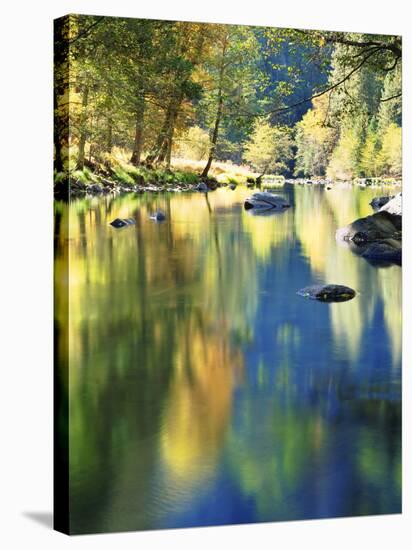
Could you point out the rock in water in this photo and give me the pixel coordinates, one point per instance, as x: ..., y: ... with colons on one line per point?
x: 377, y: 238
x: 378, y: 202
x: 381, y: 225
x: 201, y: 186
x: 394, y: 206
x: 264, y: 201
x: 328, y: 293
x: 122, y: 222
x: 158, y: 216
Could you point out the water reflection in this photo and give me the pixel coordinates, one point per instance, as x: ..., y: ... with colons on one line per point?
x: 202, y: 389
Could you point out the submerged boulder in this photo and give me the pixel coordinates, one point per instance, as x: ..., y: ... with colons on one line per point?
x: 122, y: 222
x: 377, y: 238
x: 328, y: 293
x: 158, y: 216
x: 265, y: 201
x: 386, y: 251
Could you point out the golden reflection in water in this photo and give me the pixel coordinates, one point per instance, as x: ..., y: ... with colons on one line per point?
x: 200, y: 400
x: 266, y: 237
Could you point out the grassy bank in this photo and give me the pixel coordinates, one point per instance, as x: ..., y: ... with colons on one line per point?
x: 114, y: 173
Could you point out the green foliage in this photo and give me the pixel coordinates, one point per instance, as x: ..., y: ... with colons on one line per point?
x: 344, y: 160
x: 269, y: 147
x: 369, y: 163
x: 123, y: 176
x: 194, y: 144
x: 224, y: 92
x: 85, y: 176
x: 314, y: 140
x: 390, y: 155
x: 59, y: 177
x: 185, y: 177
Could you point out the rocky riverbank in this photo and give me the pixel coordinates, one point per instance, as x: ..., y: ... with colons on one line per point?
x: 103, y: 178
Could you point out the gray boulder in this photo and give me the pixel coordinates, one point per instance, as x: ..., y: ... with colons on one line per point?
x: 377, y: 238
x: 381, y: 225
x: 328, y: 293
x: 265, y: 201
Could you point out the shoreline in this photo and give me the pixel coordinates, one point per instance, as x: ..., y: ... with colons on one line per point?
x: 95, y: 184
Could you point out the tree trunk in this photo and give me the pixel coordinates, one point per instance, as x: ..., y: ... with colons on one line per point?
x: 83, y: 130
x: 214, y: 136
x: 219, y: 112
x: 58, y: 160
x: 162, y: 151
x: 259, y: 178
x: 165, y: 139
x: 160, y: 138
x: 109, y: 144
x: 138, y: 136
x: 168, y: 142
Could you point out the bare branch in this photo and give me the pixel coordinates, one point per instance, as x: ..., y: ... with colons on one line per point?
x: 392, y: 97
x: 86, y: 32
x: 326, y: 90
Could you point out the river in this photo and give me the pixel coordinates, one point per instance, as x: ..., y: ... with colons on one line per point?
x: 202, y: 389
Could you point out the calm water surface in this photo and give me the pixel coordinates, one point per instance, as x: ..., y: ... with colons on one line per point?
x: 203, y: 390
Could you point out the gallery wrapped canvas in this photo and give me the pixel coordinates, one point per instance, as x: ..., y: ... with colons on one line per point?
x: 228, y: 229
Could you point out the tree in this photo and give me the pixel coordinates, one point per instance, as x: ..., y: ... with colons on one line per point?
x: 390, y: 155
x: 343, y: 164
x: 315, y: 139
x: 369, y: 163
x: 194, y: 144
x: 231, y: 74
x: 142, y: 85
x: 269, y: 148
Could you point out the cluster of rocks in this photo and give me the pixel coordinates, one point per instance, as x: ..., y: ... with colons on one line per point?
x: 119, y: 223
x: 376, y: 182
x: 378, y: 237
x: 264, y: 203
x: 105, y: 186
x: 305, y: 181
x: 360, y: 182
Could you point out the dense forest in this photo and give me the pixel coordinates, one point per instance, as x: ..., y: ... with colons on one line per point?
x: 136, y: 99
